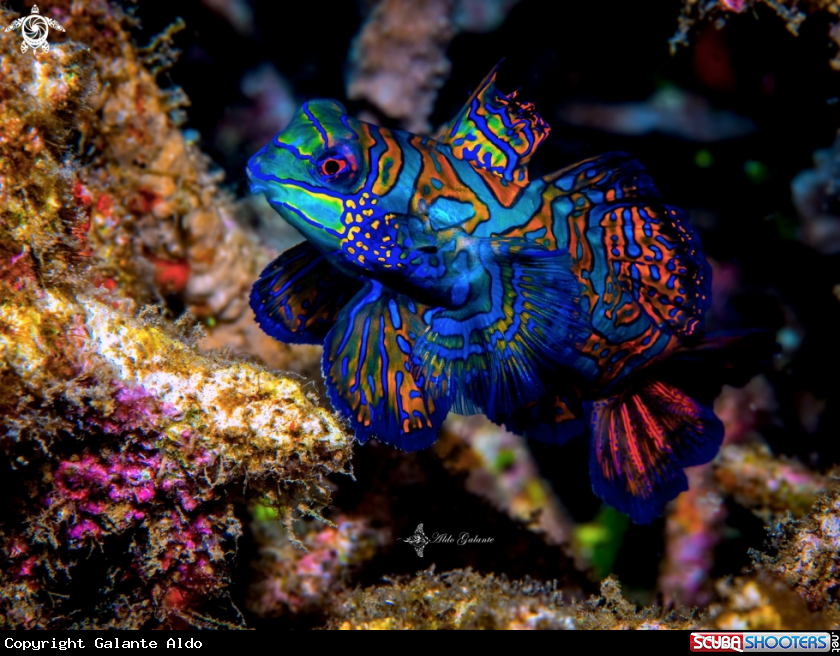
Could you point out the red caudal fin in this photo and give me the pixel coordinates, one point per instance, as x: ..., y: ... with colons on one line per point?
x: 642, y: 439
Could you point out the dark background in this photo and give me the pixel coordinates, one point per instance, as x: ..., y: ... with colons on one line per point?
x: 605, y: 52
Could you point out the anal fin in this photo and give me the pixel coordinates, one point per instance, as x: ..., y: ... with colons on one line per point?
x: 555, y: 419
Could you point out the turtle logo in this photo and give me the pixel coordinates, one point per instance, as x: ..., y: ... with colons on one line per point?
x: 34, y: 30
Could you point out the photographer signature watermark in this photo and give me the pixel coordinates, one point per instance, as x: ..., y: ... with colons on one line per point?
x: 34, y: 29
x: 419, y: 540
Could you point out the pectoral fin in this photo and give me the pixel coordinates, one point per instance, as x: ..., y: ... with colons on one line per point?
x: 298, y: 296
x: 367, y: 369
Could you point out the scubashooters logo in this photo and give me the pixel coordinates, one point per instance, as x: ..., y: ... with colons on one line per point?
x: 781, y: 641
x: 34, y: 29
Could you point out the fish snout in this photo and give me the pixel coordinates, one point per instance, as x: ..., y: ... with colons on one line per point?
x: 255, y: 173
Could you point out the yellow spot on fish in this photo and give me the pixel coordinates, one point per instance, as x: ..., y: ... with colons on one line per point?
x: 373, y: 201
x: 350, y: 205
x: 367, y: 235
x: 351, y: 250
x: 375, y: 225
x: 359, y: 244
x: 365, y: 194
x: 381, y: 259
x: 348, y: 219
x: 388, y: 253
x: 361, y: 259
x: 358, y: 218
x: 367, y: 212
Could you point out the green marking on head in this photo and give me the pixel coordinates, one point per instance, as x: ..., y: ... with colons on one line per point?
x: 309, y: 170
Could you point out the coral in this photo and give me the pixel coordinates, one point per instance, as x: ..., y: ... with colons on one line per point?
x: 693, y: 529
x: 501, y: 469
x: 133, y: 451
x: 398, y: 61
x: 770, y: 485
x: 792, y: 12
x: 127, y: 450
x: 145, y: 201
x: 763, y: 602
x: 38, y: 108
x: 123, y: 442
x: 816, y: 197
x: 695, y: 520
x: 128, y: 433
x: 670, y: 111
x: 462, y: 599
x: 746, y: 409
x: 806, y: 553
x: 289, y: 580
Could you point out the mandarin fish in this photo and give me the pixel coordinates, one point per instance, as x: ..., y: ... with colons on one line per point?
x: 440, y: 278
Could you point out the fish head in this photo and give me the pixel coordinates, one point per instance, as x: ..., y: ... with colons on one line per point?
x: 310, y: 170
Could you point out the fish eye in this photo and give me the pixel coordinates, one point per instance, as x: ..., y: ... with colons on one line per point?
x: 334, y: 166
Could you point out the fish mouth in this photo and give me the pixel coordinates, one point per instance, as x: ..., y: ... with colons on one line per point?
x: 252, y: 169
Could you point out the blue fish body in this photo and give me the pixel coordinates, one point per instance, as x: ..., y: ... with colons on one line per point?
x: 440, y: 278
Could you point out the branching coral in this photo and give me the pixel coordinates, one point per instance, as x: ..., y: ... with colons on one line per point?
x: 793, y: 12
x: 767, y: 484
x: 501, y: 469
x: 398, y: 61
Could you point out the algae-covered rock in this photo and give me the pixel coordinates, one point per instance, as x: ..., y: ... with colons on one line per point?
x: 128, y: 455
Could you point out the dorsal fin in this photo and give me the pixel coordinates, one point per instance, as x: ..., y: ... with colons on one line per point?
x: 495, y: 132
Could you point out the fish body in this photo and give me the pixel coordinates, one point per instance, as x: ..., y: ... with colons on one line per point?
x: 440, y: 278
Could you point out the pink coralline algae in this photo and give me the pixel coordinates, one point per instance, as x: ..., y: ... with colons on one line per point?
x: 92, y: 488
